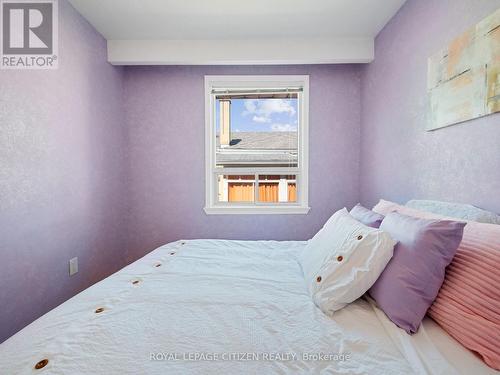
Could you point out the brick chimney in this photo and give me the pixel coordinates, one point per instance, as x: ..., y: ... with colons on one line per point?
x: 225, y: 122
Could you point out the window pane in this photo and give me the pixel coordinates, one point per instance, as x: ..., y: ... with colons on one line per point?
x: 256, y: 130
x: 277, y: 188
x: 292, y: 192
x: 236, y: 188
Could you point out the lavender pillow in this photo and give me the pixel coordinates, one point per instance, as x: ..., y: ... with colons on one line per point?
x: 366, y: 216
x: 413, y: 277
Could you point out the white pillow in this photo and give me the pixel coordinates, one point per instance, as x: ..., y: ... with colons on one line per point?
x: 343, y: 260
x: 456, y: 210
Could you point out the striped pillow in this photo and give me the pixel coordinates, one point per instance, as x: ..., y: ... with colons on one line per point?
x: 468, y: 303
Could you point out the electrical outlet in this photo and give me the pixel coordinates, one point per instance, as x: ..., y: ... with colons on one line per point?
x: 73, y: 266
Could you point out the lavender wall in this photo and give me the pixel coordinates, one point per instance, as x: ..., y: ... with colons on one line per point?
x: 399, y: 159
x: 62, y: 144
x: 165, y: 119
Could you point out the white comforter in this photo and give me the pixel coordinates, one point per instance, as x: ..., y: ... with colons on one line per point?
x: 213, y: 307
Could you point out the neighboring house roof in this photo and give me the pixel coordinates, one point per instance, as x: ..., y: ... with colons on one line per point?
x: 269, y: 148
x: 263, y: 140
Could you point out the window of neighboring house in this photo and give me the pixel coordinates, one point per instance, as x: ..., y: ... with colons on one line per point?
x: 256, y: 144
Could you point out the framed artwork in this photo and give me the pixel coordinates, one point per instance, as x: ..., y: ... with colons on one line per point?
x: 464, y: 77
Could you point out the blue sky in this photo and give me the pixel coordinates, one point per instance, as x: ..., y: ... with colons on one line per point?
x: 262, y: 115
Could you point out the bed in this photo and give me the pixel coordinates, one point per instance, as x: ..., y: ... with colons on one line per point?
x: 217, y: 307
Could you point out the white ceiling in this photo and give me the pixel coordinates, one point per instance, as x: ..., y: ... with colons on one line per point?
x: 235, y: 19
x: 210, y: 20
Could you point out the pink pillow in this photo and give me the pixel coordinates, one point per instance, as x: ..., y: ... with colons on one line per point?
x: 468, y: 303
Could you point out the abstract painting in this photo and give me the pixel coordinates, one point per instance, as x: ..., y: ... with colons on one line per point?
x: 464, y: 77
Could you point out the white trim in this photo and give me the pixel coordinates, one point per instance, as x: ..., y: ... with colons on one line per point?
x: 268, y: 51
x: 256, y: 210
x: 259, y: 170
x: 302, y: 172
x: 283, y: 190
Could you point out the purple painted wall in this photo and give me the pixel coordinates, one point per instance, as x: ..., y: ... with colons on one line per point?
x: 399, y: 159
x: 166, y: 124
x: 62, y: 165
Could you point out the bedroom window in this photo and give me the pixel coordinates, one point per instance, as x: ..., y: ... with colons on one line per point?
x: 256, y: 144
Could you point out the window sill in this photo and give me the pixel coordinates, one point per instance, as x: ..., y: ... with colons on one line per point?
x: 257, y: 210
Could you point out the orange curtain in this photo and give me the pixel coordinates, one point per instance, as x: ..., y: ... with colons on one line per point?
x: 292, y: 192
x: 240, y: 192
x: 268, y: 192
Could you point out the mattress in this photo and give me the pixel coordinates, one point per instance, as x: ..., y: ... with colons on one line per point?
x: 216, y: 307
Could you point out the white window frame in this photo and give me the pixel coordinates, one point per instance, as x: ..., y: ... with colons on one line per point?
x: 212, y: 206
